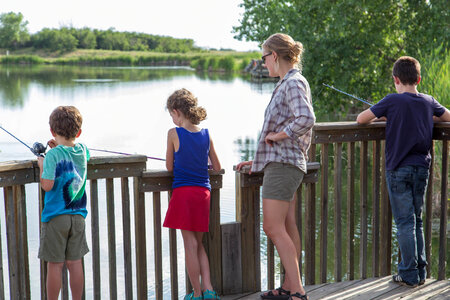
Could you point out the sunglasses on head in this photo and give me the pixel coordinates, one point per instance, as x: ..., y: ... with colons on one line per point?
x: 264, y: 57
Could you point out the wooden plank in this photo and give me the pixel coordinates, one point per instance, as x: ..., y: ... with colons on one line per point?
x: 42, y: 263
x: 173, y: 261
x: 399, y: 291
x: 299, y: 221
x: 95, y: 232
x: 428, y: 212
x: 65, y: 283
x: 386, y: 219
x: 331, y: 289
x: 270, y: 265
x: 367, y: 289
x: 436, y: 288
x: 115, y: 170
x: 231, y: 258
x: 444, y: 210
x: 323, y: 213
x: 11, y: 240
x: 351, y: 211
x: 115, y: 159
x: 17, y: 177
x: 24, y: 266
x: 363, y: 210
x: 127, y: 238
x: 376, y: 208
x: 338, y: 212
x: 111, y: 238
x: 214, y: 241
x: 157, y: 245
x: 140, y: 240
x: 310, y: 234
x: 2, y: 284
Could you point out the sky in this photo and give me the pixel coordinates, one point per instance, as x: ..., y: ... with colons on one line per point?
x: 208, y: 22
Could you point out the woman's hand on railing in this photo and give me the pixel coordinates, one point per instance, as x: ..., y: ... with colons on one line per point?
x: 245, y: 163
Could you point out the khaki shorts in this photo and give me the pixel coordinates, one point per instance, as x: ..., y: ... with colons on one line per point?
x: 281, y: 181
x: 63, y: 238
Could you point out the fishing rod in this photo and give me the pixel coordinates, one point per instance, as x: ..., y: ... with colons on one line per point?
x: 38, y: 149
x: 353, y: 96
x: 123, y: 153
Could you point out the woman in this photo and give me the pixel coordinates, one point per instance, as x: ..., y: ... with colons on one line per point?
x: 282, y: 155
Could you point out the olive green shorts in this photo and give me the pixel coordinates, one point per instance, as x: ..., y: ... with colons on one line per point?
x: 281, y: 181
x: 63, y: 238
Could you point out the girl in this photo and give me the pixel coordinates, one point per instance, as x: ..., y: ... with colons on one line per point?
x: 282, y: 154
x: 188, y: 150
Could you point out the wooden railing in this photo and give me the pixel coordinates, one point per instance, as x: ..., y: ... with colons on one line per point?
x: 353, y: 138
x: 233, y: 248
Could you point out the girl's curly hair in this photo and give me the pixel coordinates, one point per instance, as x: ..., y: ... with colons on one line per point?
x: 185, y: 102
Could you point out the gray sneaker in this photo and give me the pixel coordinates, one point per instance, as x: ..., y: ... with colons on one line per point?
x: 398, y: 279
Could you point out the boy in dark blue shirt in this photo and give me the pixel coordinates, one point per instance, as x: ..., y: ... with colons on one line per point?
x: 409, y: 129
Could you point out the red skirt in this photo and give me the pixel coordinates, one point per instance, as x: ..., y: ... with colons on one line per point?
x: 189, y: 209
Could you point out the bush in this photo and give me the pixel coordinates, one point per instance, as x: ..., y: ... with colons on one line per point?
x: 21, y: 59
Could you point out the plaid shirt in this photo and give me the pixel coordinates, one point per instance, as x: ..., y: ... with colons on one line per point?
x: 290, y: 110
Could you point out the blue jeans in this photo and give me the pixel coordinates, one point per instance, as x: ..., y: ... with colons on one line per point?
x: 406, y: 186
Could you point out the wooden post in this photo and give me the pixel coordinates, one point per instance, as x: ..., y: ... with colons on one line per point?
x: 363, y: 182
x: 351, y: 211
x: 157, y: 245
x: 310, y: 227
x: 231, y: 258
x: 111, y: 238
x: 127, y: 238
x: 444, y: 209
x: 141, y: 249
x: 376, y: 209
x: 95, y: 239
x: 338, y: 212
x: 324, y: 213
x: 428, y: 213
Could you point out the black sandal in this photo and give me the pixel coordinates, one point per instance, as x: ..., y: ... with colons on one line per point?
x: 299, y: 296
x: 282, y: 294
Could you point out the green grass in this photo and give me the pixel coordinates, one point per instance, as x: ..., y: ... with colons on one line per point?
x: 228, y: 61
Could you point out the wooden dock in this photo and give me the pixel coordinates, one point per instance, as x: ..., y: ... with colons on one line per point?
x: 369, y: 289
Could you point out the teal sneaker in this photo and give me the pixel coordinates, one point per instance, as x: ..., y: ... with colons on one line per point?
x: 191, y: 297
x: 210, y: 295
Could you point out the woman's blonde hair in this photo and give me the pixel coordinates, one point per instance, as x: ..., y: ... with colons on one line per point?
x: 185, y: 102
x: 285, y: 47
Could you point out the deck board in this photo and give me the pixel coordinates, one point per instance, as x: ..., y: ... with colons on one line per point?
x: 369, y: 289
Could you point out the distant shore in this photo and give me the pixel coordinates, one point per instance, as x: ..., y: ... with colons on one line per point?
x: 220, y: 61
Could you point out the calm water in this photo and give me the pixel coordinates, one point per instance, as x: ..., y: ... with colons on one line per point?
x: 124, y: 110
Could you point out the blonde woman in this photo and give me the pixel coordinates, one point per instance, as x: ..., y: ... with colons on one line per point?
x: 282, y: 155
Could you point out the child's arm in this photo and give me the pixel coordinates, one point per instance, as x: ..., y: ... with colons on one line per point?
x: 365, y: 117
x: 46, y: 184
x: 445, y: 117
x: 170, y: 149
x: 213, y: 156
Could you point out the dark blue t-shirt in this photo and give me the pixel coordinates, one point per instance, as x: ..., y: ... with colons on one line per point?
x: 190, y: 166
x: 409, y: 128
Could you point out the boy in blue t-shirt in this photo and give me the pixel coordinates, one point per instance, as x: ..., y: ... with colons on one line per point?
x: 409, y: 130
x: 63, y: 174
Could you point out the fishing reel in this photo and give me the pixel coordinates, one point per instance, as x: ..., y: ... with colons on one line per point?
x: 38, y: 149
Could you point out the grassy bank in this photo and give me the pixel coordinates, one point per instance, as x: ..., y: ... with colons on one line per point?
x: 207, y: 60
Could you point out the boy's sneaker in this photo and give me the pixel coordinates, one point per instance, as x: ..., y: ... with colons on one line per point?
x: 210, y: 295
x: 191, y: 297
x: 422, y: 282
x: 398, y: 279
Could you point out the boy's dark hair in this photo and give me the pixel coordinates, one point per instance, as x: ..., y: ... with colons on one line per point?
x: 185, y: 102
x: 66, y: 121
x: 407, y: 69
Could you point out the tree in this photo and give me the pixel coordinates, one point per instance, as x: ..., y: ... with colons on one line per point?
x: 13, y: 30
x: 350, y: 44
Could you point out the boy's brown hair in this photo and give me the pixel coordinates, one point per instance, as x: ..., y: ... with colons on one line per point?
x: 185, y: 102
x: 66, y: 121
x: 407, y: 69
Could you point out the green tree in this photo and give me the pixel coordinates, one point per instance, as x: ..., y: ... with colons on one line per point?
x: 350, y: 44
x: 55, y: 39
x: 13, y: 30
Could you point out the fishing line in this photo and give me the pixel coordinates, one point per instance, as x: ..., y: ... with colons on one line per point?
x: 353, y: 96
x: 38, y: 149
x: 123, y: 153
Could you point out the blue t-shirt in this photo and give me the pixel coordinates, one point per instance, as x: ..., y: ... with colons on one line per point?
x: 67, y: 166
x: 190, y: 166
x: 409, y: 128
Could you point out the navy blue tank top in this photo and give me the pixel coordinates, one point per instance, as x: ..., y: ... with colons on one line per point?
x: 190, y: 166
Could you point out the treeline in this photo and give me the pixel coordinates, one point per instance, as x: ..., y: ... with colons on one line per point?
x: 69, y: 39
x: 14, y: 35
